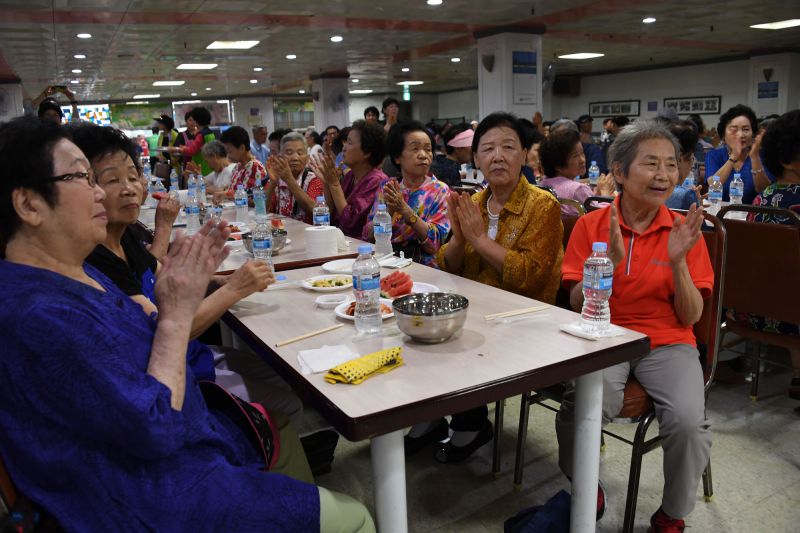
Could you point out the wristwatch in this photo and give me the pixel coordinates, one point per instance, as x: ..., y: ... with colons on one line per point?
x: 732, y: 159
x: 413, y: 219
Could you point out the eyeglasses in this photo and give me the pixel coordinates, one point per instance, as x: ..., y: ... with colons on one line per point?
x: 88, y: 176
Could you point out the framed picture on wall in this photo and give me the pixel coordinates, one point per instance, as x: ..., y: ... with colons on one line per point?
x: 701, y: 105
x: 617, y: 108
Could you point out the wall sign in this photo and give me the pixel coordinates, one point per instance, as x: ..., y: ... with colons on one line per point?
x: 523, y: 69
x: 700, y: 105
x: 617, y: 108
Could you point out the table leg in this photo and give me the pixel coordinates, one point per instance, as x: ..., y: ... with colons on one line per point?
x: 586, y: 452
x: 226, y: 334
x: 389, y: 479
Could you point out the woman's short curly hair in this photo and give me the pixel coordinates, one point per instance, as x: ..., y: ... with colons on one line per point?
x: 781, y: 143
x: 97, y: 142
x: 555, y: 149
x: 373, y: 140
x: 396, y: 140
x: 738, y: 110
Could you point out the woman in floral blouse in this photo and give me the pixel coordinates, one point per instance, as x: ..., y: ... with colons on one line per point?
x: 293, y: 187
x: 249, y: 170
x: 418, y: 202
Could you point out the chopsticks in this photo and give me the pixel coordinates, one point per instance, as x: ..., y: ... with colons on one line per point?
x: 307, y: 335
x: 516, y: 312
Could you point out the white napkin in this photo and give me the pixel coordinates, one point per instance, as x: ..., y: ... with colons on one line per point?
x: 325, y: 358
x: 394, y: 262
x: 577, y: 330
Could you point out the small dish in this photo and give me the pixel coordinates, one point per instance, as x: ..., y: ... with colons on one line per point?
x: 420, y: 288
x: 340, y: 266
x: 313, y: 283
x: 331, y: 301
x: 341, y: 309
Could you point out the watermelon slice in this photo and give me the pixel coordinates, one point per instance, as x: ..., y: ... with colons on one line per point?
x: 396, y: 284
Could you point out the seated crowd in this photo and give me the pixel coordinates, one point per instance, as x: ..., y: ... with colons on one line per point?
x: 124, y: 389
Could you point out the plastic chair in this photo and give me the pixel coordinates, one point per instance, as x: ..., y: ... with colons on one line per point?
x: 572, y: 203
x: 762, y: 251
x: 637, y: 405
x: 588, y: 206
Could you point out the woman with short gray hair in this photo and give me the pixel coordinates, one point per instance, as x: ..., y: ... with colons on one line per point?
x: 222, y: 169
x: 293, y: 187
x: 662, y: 273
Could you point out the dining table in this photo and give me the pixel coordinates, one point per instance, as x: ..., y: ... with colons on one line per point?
x: 293, y: 255
x: 486, y: 361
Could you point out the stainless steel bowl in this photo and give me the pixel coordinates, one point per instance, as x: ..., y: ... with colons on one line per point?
x: 430, y: 317
x: 278, y: 240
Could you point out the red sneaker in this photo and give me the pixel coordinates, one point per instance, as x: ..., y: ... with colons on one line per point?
x: 661, y: 522
x: 601, y: 501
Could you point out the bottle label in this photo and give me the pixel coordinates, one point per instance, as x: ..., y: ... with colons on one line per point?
x: 240, y: 202
x: 366, y: 282
x: 381, y: 229
x: 194, y: 209
x: 597, y: 281
x: 715, y: 195
x: 322, y: 220
x: 262, y: 244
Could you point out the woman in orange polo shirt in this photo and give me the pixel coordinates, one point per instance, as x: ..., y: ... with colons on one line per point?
x: 662, y: 274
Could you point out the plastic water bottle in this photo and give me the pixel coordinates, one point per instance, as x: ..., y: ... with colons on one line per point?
x: 690, y: 181
x: 715, y: 194
x: 322, y: 215
x: 262, y: 241
x: 260, y: 201
x: 736, y: 190
x: 173, y: 180
x: 382, y: 231
x: 173, y: 192
x: 191, y: 184
x: 594, y: 173
x: 598, y: 276
x: 240, y: 199
x: 201, y: 188
x: 367, y: 289
x: 192, y: 213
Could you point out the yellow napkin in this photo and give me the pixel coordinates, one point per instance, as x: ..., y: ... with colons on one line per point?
x: 357, y: 370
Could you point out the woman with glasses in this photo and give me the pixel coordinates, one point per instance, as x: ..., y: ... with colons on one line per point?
x: 562, y: 158
x: 83, y: 367
x: 740, y: 153
x: 684, y: 197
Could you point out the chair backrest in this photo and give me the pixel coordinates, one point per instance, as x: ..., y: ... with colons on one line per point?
x: 707, y: 329
x: 572, y: 203
x: 758, y: 254
x: 548, y: 189
x: 8, y: 493
x: 590, y: 204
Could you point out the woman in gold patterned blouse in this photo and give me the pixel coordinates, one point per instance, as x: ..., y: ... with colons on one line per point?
x: 507, y: 236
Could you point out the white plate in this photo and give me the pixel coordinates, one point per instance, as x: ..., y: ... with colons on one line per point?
x: 331, y: 301
x: 419, y: 288
x: 342, y: 308
x: 340, y: 266
x: 307, y: 284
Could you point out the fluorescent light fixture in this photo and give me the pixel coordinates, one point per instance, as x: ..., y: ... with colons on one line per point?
x: 84, y: 36
x: 336, y: 38
x: 168, y: 83
x: 208, y: 88
x: 291, y: 56
x: 412, y: 82
x: 257, y: 69
x: 76, y: 71
x: 355, y: 80
x: 193, y: 94
x: 74, y: 82
x: 196, y: 66
x: 455, y: 59
x: 223, y: 101
x: 581, y: 55
x: 405, y: 69
x: 140, y: 102
x: 187, y: 102
x: 302, y: 91
x: 360, y: 91
x: 649, y: 20
x: 231, y: 45
x: 145, y: 96
x: 780, y: 25
x: 253, y: 81
x: 79, y: 56
x: 434, y: 2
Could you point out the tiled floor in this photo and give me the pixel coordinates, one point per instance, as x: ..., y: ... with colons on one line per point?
x: 755, y: 459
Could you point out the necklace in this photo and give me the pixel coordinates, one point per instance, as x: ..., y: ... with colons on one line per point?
x: 491, y: 231
x: 491, y: 215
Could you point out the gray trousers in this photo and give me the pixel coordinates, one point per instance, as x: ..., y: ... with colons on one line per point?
x: 673, y: 378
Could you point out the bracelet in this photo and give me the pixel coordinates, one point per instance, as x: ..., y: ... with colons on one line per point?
x: 413, y: 219
x: 732, y: 159
x: 756, y: 171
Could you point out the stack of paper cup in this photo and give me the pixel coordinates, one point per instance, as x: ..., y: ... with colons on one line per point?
x: 321, y: 241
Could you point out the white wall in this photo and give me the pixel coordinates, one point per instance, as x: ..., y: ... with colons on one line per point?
x: 262, y: 106
x: 459, y: 103
x: 358, y: 103
x: 728, y: 80
x: 10, y: 101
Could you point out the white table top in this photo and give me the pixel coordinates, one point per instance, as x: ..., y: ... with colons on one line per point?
x: 485, y: 362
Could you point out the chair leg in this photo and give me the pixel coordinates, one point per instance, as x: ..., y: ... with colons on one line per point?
x: 708, y: 486
x: 499, y: 407
x: 635, y: 473
x: 756, y: 374
x: 522, y: 433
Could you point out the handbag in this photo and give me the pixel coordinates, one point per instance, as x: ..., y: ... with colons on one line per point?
x: 251, y: 418
x: 162, y: 170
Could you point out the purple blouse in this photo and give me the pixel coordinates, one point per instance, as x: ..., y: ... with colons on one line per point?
x: 569, y: 189
x: 360, y: 197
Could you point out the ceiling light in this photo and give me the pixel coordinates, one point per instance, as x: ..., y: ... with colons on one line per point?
x: 781, y: 24
x: 257, y: 69
x: 291, y: 56
x: 193, y: 94
x: 355, y: 80
x: 208, y: 88
x: 405, y: 69
x: 302, y: 91
x: 434, y: 2
x: 84, y: 36
x: 74, y: 82
x: 360, y: 91
x: 79, y: 56
x: 168, y: 83
x: 336, y: 38
x: 223, y: 101
x: 253, y: 81
x: 76, y: 71
x: 455, y: 59
x: 231, y: 45
x: 145, y: 96
x: 412, y: 82
x: 196, y: 66
x: 581, y: 55
x: 187, y: 102
x: 140, y: 102
x: 649, y: 20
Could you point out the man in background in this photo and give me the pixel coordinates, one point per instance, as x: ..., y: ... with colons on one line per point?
x: 258, y: 146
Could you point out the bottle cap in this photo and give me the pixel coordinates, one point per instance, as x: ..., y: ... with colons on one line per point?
x: 381, y: 207
x: 594, y: 162
x: 715, y: 178
x: 599, y: 247
x: 365, y: 249
x: 320, y: 199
